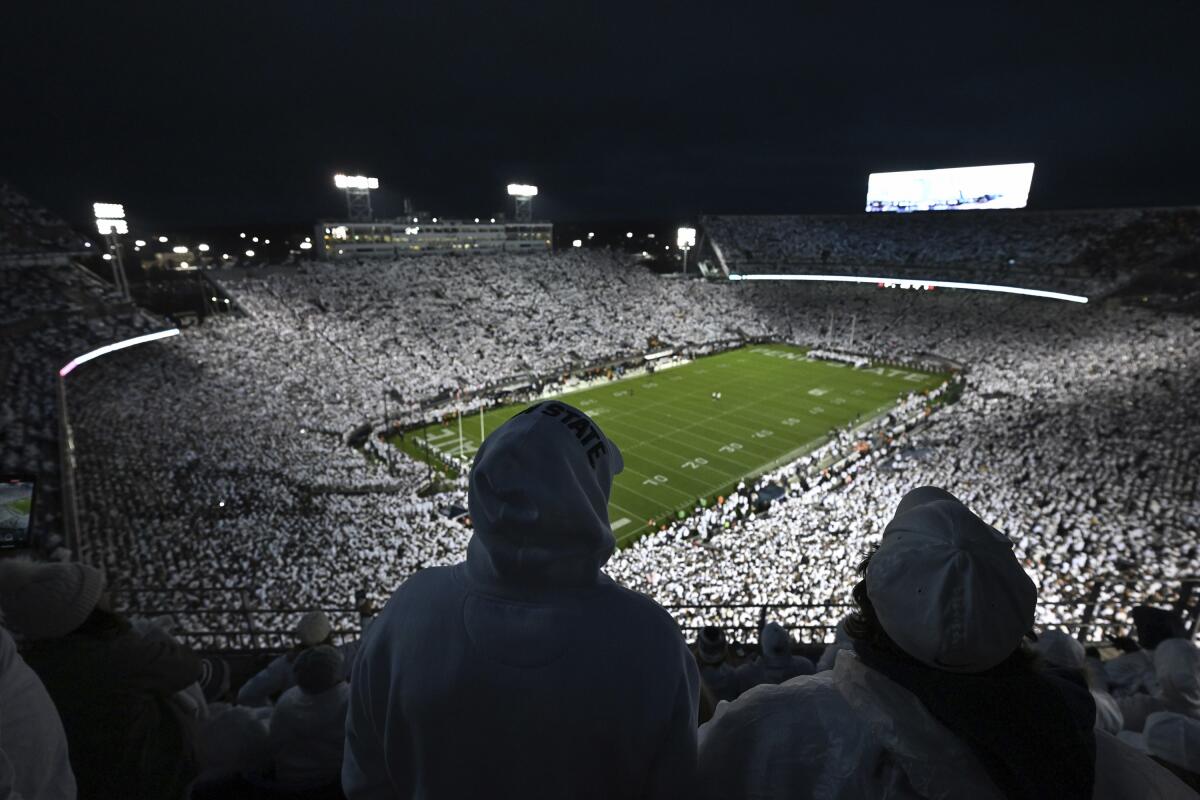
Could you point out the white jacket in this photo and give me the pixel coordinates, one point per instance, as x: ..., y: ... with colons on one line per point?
x: 307, y: 734
x: 853, y: 733
x: 33, y: 746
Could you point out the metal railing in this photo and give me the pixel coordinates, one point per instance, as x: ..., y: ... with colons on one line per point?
x: 221, y: 618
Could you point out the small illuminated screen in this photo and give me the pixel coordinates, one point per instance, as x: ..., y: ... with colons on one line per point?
x: 955, y: 189
x: 16, y: 506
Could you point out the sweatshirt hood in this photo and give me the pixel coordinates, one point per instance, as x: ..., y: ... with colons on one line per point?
x: 538, y: 497
x: 775, y: 643
x: 1177, y: 666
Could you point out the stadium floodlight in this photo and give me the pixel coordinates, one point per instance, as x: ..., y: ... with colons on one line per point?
x: 685, y: 237
x: 162, y: 239
x: 254, y: 238
x: 629, y: 234
x: 522, y: 190
x: 340, y: 232
x: 109, y: 348
x: 140, y: 242
x: 242, y: 235
x: 111, y: 223
x: 522, y: 195
x: 591, y: 234
x: 978, y: 287
x: 306, y: 245
x: 112, y: 226
x: 355, y: 182
x: 249, y: 254
x: 203, y: 248
x: 179, y: 249
x: 358, y: 195
x: 109, y: 210
x: 577, y: 243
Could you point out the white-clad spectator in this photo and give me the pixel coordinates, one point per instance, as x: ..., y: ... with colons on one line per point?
x: 1066, y: 652
x: 721, y: 677
x: 493, y: 677
x: 1177, y: 669
x: 234, y: 753
x: 776, y: 662
x: 33, y: 747
x: 841, y: 641
x: 938, y: 699
x: 1172, y: 740
x: 308, y: 725
x: 312, y: 630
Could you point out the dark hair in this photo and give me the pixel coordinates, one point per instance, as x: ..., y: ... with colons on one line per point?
x: 863, y: 625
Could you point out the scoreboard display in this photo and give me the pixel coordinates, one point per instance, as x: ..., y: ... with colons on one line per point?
x: 954, y: 189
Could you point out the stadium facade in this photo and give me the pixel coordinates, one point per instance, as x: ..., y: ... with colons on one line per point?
x: 401, y: 237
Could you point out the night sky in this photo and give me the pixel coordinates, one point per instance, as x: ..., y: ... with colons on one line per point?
x: 201, y: 113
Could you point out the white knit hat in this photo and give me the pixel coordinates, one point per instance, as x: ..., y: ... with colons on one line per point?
x: 946, y: 586
x: 43, y: 600
x: 313, y: 628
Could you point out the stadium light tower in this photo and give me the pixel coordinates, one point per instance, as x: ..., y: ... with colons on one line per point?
x: 522, y: 195
x: 685, y: 239
x: 111, y: 223
x: 358, y: 195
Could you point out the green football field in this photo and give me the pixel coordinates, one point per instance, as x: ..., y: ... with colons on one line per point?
x: 681, y: 445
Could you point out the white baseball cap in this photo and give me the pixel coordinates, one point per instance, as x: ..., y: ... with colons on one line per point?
x: 947, y: 587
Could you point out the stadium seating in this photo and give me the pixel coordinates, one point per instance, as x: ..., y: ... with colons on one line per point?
x: 236, y: 475
x: 1090, y: 252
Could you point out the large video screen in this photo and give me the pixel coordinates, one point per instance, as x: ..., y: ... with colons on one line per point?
x: 16, y: 508
x: 955, y: 189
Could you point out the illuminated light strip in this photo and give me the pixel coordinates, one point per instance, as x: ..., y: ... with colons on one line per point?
x: 979, y: 287
x: 109, y: 348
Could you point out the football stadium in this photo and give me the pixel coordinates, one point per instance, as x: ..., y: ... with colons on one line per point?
x: 675, y: 421
x: 694, y: 431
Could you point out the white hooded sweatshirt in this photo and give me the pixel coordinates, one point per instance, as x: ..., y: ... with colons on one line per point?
x: 853, y: 733
x: 524, y: 671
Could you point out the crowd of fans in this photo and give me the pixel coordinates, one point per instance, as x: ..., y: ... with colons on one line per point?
x: 937, y: 687
x: 1088, y: 252
x: 216, y: 465
x: 1072, y: 433
x: 29, y: 233
x: 55, y: 313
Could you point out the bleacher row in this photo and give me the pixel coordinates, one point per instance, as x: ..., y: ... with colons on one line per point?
x: 1089, y: 251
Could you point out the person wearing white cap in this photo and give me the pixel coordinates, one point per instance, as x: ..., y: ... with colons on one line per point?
x: 938, y: 699
x: 524, y: 671
x: 1177, y: 670
x: 313, y: 629
x: 113, y: 687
